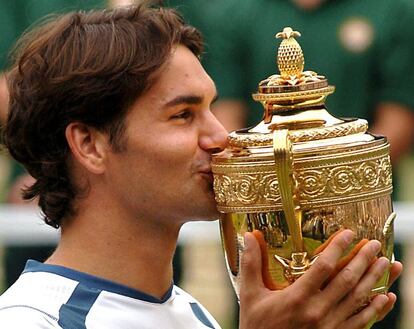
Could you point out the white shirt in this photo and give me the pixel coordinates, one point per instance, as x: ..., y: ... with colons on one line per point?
x: 49, y: 296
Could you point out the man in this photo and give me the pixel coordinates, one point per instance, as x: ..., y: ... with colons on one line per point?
x: 110, y: 113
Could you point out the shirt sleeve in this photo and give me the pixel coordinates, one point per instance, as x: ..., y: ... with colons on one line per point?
x: 22, y: 317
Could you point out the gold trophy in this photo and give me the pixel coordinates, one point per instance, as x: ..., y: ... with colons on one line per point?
x: 300, y: 176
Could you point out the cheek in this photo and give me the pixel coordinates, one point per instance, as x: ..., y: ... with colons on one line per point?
x: 163, y: 153
x: 175, y: 149
x: 162, y: 158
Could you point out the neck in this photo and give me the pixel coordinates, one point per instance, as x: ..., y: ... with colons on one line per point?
x: 134, y: 252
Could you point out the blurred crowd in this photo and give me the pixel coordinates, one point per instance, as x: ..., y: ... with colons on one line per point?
x: 363, y: 47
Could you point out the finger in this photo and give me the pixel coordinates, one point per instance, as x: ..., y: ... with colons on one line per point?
x: 392, y: 298
x: 327, y: 242
x: 369, y: 314
x: 395, y: 271
x: 268, y: 281
x: 351, y: 274
x: 320, y: 271
x: 359, y: 297
x: 250, y: 267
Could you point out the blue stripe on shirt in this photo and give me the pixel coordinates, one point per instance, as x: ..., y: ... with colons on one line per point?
x: 95, y: 282
x: 72, y: 315
x: 198, y: 312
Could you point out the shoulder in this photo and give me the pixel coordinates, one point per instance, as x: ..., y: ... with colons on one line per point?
x: 180, y: 292
x: 23, y: 317
x: 34, y: 301
x: 197, y: 309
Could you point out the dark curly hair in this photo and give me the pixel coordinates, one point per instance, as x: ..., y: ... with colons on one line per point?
x: 86, y: 67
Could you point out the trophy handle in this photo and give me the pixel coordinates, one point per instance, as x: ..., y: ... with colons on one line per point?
x: 299, y: 261
x: 388, y: 237
x: 388, y: 226
x: 282, y: 148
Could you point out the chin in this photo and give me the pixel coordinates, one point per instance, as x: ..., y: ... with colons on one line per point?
x: 199, y: 219
x: 213, y: 216
x: 203, y: 208
x: 209, y: 213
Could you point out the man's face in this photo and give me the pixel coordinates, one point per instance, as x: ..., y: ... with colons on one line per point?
x: 165, y: 171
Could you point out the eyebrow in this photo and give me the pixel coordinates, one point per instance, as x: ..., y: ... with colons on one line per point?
x: 187, y: 99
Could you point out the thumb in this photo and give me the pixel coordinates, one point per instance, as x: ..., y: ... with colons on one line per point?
x: 251, y: 266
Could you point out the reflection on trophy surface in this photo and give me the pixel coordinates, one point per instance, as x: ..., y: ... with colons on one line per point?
x: 300, y: 176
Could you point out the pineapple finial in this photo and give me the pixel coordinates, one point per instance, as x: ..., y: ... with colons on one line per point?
x: 287, y: 33
x: 290, y: 59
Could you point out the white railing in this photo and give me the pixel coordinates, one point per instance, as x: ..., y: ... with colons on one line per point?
x: 21, y: 225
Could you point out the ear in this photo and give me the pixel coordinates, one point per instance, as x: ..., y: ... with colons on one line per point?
x: 88, y: 146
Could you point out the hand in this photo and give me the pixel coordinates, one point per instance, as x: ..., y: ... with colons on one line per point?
x: 305, y: 304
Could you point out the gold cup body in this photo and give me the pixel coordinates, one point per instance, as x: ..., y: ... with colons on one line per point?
x: 318, y: 226
x: 337, y: 183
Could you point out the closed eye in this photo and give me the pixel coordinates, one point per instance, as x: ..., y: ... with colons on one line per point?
x: 185, y: 114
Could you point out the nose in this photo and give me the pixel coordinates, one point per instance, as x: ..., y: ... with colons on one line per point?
x: 213, y: 136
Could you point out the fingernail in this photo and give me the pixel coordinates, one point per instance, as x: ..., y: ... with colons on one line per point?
x: 384, y: 299
x: 376, y: 246
x: 246, y: 240
x: 348, y: 236
x: 383, y: 263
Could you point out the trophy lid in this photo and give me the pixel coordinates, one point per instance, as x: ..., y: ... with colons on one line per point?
x: 293, y: 88
x: 294, y: 99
